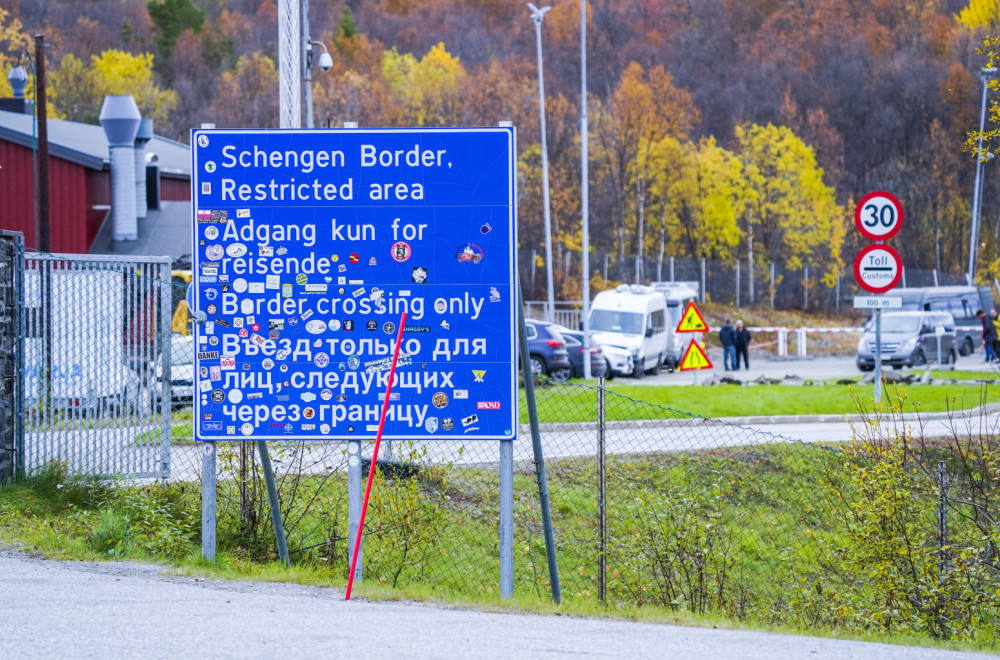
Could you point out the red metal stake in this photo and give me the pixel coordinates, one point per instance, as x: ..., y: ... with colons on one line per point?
x: 371, y: 468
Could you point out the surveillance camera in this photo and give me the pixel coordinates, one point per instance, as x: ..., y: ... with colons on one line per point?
x: 325, y: 61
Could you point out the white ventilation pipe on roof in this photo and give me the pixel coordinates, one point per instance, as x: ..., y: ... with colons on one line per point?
x: 144, y: 135
x: 120, y: 119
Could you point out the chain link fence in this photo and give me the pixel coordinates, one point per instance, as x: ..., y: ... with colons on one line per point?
x: 651, y: 506
x: 730, y: 282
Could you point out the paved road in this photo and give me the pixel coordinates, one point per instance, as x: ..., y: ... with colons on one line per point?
x: 121, y: 610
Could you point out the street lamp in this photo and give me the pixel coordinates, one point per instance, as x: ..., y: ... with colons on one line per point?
x: 537, y: 15
x: 986, y: 75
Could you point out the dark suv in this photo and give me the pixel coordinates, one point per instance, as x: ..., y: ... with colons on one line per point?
x: 547, y: 350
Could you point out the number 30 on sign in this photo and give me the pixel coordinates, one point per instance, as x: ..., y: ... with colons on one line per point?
x: 878, y: 216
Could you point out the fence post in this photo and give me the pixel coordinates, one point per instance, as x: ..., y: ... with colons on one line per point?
x: 702, y: 279
x: 800, y: 341
x: 942, y: 514
x: 772, y: 285
x: 935, y: 277
x: 602, y: 523
x: 805, y: 289
x: 737, y: 282
x: 942, y: 518
x: 782, y: 342
x: 536, y: 446
x: 671, y: 269
x: 836, y: 302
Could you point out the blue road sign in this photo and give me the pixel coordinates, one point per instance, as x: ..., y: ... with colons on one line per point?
x: 309, y: 245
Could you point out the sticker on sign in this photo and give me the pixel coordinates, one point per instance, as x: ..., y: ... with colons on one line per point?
x: 878, y: 268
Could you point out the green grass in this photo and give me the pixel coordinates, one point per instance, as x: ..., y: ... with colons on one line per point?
x: 769, y: 501
x: 578, y: 404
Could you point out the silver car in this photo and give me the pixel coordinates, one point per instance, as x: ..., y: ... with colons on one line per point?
x: 910, y: 339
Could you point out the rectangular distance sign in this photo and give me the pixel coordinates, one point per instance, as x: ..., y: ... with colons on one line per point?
x: 308, y: 246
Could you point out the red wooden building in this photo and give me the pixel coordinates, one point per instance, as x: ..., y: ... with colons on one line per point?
x: 80, y: 189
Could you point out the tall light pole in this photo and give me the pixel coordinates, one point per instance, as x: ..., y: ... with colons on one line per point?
x: 584, y: 191
x: 289, y: 64
x: 537, y: 15
x: 986, y: 74
x: 325, y: 62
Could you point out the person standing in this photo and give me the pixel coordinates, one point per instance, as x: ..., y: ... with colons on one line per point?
x: 727, y: 335
x: 742, y: 343
x: 989, y: 335
x: 996, y: 334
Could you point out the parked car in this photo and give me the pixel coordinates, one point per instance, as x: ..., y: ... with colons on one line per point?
x: 619, y: 360
x: 910, y: 339
x: 574, y: 346
x: 547, y: 350
x: 181, y: 368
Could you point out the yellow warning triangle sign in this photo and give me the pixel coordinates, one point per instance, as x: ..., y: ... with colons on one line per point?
x: 695, y: 358
x: 692, y: 320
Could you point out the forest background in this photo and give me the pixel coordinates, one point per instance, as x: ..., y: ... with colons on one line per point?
x: 727, y: 129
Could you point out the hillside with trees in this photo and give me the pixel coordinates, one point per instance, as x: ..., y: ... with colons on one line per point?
x: 730, y: 129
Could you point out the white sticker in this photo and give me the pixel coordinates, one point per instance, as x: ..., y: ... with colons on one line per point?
x: 236, y: 250
x: 239, y: 285
x: 273, y: 281
x: 256, y: 287
x: 353, y: 461
x: 334, y: 325
x: 324, y: 429
x: 246, y: 306
x: 205, y: 385
x: 210, y: 327
x: 235, y: 396
x: 246, y: 429
x: 308, y: 396
x: 265, y: 250
x: 315, y: 327
x: 227, y: 362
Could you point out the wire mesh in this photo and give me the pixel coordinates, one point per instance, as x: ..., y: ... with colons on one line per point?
x: 651, y: 506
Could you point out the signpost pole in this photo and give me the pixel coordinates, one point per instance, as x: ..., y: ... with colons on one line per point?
x: 506, y: 519
x: 354, y: 484
x: 878, y: 355
x: 374, y: 462
x: 208, y: 501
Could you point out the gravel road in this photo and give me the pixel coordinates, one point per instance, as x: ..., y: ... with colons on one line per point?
x: 113, y: 610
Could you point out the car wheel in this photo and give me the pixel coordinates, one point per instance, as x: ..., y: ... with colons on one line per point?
x: 562, y: 375
x: 865, y: 367
x: 608, y: 374
x: 919, y: 359
x: 537, y: 366
x: 655, y: 371
x: 638, y: 370
x: 967, y: 348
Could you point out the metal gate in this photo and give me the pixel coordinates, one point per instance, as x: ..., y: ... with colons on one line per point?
x: 11, y: 254
x: 96, y: 364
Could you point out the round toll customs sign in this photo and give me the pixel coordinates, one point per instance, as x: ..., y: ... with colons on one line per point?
x: 878, y: 216
x: 878, y: 268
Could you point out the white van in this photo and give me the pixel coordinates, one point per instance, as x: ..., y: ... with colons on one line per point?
x: 633, y: 317
x: 678, y: 295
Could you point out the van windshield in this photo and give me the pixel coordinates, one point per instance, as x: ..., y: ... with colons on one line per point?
x: 607, y: 320
x: 900, y: 323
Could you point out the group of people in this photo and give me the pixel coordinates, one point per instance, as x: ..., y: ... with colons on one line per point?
x: 735, y: 343
x: 991, y: 332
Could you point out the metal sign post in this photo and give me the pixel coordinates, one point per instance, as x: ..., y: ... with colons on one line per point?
x: 309, y: 245
x: 878, y: 267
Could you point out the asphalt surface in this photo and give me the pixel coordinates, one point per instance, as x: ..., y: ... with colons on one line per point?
x: 123, y: 610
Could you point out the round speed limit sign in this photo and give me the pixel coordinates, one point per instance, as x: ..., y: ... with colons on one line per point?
x: 878, y: 216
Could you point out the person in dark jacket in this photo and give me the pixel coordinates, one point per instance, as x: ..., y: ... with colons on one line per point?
x: 989, y: 335
x: 742, y: 343
x: 727, y: 335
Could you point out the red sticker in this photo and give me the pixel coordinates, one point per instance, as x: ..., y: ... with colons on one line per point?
x: 354, y: 258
